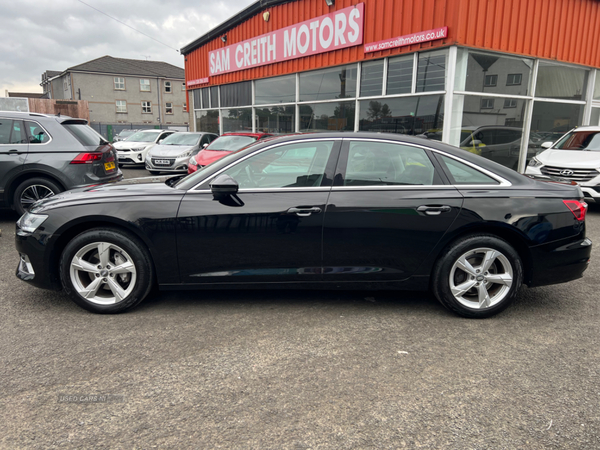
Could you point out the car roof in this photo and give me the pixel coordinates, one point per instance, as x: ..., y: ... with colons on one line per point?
x: 586, y: 128
x: 241, y: 133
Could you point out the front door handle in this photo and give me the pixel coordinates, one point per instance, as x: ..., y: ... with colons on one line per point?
x: 434, y: 210
x: 304, y: 212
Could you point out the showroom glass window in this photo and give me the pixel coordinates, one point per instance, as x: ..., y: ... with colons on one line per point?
x: 371, y: 78
x: 236, y: 119
x: 328, y: 84
x: 286, y: 166
x: 400, y: 75
x: 561, y: 82
x: 208, y: 121
x: 214, y: 96
x: 493, y: 73
x: 336, y: 116
x: 276, y: 119
x: 275, y: 90
x: 431, y: 71
x: 387, y: 164
x: 597, y: 86
x: 236, y: 94
x: 403, y: 115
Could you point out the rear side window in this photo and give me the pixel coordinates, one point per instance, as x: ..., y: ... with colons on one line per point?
x: 37, y: 134
x: 85, y: 134
x: 463, y: 174
x: 387, y: 164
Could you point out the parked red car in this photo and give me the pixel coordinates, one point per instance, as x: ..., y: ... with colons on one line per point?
x: 223, y: 145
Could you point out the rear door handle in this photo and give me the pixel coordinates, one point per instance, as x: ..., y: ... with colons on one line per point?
x: 434, y: 210
x: 304, y: 212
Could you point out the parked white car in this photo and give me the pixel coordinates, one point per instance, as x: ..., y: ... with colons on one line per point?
x: 133, y: 151
x: 574, y: 157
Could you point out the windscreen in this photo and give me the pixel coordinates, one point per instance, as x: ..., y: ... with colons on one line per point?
x: 580, y: 140
x: 230, y: 143
x: 143, y: 136
x: 85, y: 134
x: 181, y: 139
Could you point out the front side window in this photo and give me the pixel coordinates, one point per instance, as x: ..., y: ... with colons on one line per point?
x: 145, y: 85
x: 37, y: 135
x: 387, y: 164
x: 286, y: 166
x: 167, y: 86
x: 147, y: 107
x: 119, y: 83
x: 121, y: 106
x: 11, y: 132
x: 168, y: 108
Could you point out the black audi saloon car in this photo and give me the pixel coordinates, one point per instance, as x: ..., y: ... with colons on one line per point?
x: 331, y: 210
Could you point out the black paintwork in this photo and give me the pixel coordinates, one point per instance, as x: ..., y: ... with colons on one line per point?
x: 342, y: 237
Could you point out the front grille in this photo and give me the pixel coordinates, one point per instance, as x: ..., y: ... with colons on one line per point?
x: 580, y: 175
x: 162, y: 162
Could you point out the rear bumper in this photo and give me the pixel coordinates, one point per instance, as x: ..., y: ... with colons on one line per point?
x: 558, y: 262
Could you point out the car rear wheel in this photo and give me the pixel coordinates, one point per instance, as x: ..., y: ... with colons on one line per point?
x: 106, y: 271
x: 478, y: 276
x: 32, y: 190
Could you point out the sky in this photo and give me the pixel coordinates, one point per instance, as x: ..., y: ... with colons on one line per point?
x: 40, y: 35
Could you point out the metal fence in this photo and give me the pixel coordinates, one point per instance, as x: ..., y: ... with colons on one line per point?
x: 110, y: 130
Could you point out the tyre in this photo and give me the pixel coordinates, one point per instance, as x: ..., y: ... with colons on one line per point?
x: 106, y: 271
x: 477, y: 276
x: 32, y: 190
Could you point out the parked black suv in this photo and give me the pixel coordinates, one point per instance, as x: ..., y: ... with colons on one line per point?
x: 41, y: 155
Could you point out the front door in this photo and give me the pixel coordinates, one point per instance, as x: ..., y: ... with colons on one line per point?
x: 387, y: 211
x: 13, y: 150
x: 271, y: 231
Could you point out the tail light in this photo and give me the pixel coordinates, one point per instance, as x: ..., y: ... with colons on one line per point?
x: 87, y: 158
x: 579, y: 209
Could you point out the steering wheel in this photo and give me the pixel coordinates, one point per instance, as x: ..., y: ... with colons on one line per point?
x: 250, y: 175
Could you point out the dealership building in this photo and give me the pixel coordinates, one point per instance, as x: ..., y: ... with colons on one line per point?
x: 495, y: 77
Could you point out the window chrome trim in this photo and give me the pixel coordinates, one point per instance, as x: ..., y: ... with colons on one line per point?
x: 503, y: 182
x: 270, y: 147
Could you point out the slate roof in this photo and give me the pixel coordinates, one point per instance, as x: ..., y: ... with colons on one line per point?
x: 133, y: 67
x: 52, y: 73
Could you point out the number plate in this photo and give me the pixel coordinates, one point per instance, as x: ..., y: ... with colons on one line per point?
x: 162, y: 162
x: 109, y: 166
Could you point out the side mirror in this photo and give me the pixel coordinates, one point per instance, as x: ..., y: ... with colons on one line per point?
x: 475, y: 143
x: 205, y: 145
x: 160, y: 140
x: 224, y: 185
x: 547, y: 144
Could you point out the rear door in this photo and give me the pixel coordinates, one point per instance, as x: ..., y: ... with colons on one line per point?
x: 387, y: 210
x: 13, y: 150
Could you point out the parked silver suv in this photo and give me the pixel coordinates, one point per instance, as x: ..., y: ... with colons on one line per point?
x: 41, y: 155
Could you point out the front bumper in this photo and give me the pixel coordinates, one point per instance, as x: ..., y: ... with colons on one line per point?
x: 130, y: 158
x: 176, y: 165
x: 591, y: 188
x: 35, y: 265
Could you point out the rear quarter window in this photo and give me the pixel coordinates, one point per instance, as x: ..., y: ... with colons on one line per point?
x: 462, y: 174
x: 85, y: 134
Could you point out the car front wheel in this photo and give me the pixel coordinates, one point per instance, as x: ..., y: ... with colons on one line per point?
x: 106, y: 271
x: 478, y: 276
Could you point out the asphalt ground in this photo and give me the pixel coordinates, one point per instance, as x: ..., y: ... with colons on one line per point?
x: 299, y: 370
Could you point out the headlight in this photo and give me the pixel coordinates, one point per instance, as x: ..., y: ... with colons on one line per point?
x: 185, y: 154
x: 534, y: 162
x: 192, y: 161
x: 30, y: 222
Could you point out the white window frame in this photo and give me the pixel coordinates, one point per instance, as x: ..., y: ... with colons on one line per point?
x: 148, y: 85
x: 118, y: 81
x: 168, y: 106
x: 123, y: 105
x: 147, y: 105
x: 168, y: 87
